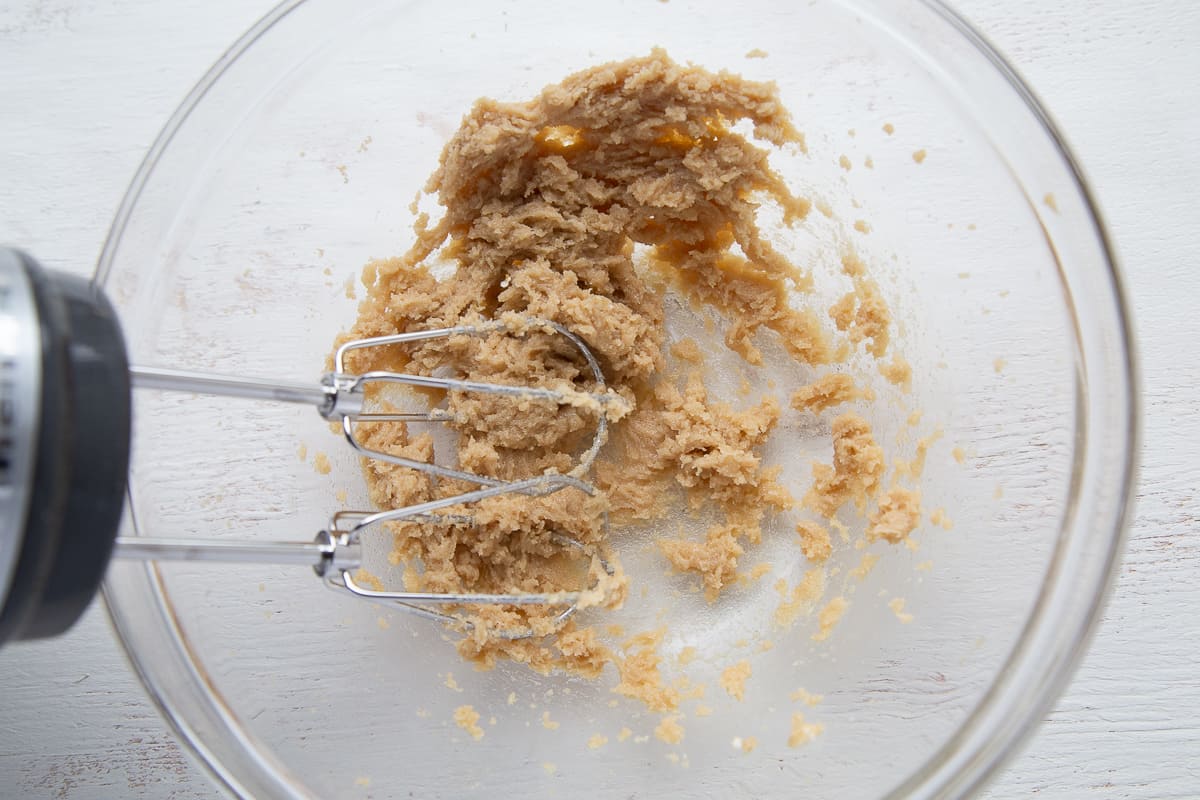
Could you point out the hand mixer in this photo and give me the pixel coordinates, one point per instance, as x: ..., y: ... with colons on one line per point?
x: 65, y: 408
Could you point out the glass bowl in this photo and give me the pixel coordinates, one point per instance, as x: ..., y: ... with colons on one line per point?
x: 294, y: 161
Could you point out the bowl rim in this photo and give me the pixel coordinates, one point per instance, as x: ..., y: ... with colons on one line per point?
x: 997, y: 748
x: 971, y: 756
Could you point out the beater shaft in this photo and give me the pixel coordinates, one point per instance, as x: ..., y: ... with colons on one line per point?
x: 324, y: 550
x: 179, y: 380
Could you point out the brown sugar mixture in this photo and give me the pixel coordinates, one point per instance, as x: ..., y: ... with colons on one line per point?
x: 586, y: 206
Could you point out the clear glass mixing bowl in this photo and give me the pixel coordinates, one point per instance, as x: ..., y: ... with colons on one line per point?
x: 293, y: 162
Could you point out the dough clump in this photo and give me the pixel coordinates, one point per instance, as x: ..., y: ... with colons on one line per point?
x: 585, y: 207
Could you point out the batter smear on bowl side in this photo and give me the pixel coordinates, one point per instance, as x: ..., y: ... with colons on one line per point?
x: 589, y: 205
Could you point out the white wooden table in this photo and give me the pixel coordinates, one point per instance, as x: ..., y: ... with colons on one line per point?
x: 86, y: 84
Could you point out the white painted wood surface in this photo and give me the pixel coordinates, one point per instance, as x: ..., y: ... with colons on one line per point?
x: 86, y: 84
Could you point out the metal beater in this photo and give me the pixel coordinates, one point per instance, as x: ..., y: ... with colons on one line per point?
x: 64, y: 451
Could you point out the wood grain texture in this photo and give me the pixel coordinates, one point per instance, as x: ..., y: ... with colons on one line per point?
x: 87, y: 84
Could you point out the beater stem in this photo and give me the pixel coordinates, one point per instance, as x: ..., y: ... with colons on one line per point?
x: 178, y: 380
x: 324, y: 550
